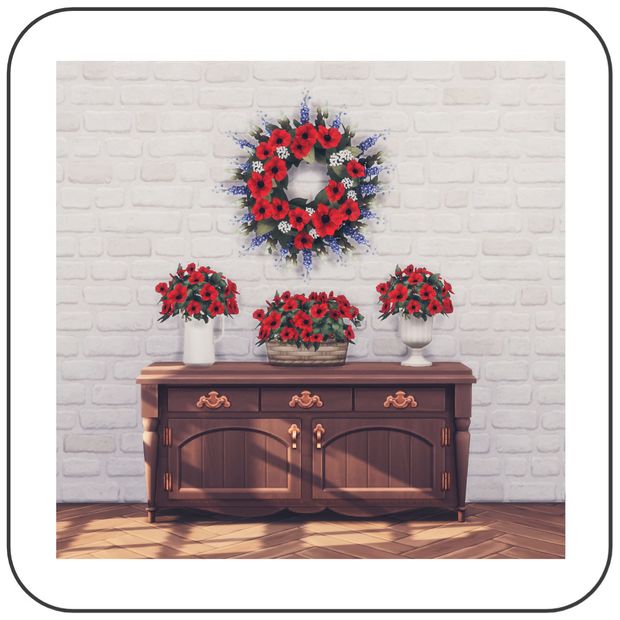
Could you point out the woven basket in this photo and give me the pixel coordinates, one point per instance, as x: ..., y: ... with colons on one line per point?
x: 328, y: 354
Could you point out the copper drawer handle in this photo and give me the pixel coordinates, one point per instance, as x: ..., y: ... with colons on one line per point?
x: 305, y: 400
x: 294, y: 431
x: 213, y: 401
x: 400, y: 400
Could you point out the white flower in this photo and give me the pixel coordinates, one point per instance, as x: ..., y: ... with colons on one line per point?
x: 282, y: 152
x: 312, y: 232
x: 348, y: 183
x: 345, y: 155
x: 257, y: 166
x: 284, y: 227
x: 352, y: 195
x: 334, y: 160
x: 309, y: 210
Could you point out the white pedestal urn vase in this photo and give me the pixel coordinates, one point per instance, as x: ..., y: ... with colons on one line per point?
x: 416, y: 333
x: 199, y: 342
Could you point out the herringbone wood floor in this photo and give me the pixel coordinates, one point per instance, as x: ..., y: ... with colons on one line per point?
x: 491, y: 531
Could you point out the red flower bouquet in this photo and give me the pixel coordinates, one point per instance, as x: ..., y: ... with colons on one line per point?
x: 415, y: 291
x: 305, y: 323
x: 197, y: 293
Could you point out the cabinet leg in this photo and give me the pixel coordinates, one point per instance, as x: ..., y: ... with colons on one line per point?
x: 460, y: 515
x: 150, y: 515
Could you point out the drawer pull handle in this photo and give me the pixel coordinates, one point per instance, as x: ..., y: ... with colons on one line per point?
x: 319, y: 431
x: 305, y: 400
x: 294, y: 431
x: 213, y: 401
x: 400, y: 401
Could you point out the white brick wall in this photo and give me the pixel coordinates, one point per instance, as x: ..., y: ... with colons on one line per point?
x: 478, y: 194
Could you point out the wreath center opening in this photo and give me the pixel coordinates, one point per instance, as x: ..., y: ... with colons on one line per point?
x: 307, y: 181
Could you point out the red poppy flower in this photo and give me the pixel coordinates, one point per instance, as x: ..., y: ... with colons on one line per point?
x: 326, y: 221
x: 354, y: 311
x: 433, y: 307
x: 322, y: 297
x: 408, y: 270
x: 178, y: 294
x: 385, y: 307
x: 303, y: 241
x: 318, y: 311
x: 232, y: 306
x: 259, y: 314
x: 300, y: 149
x: 413, y: 306
x: 193, y: 307
x: 427, y: 292
x: 279, y: 137
x: 276, y: 168
x: 355, y: 169
x: 334, y: 190
x: 259, y: 185
x: 272, y: 320
x: 302, y: 320
x: 382, y: 288
x: 216, y: 308
x: 343, y: 302
x: 302, y: 299
x: 167, y: 307
x: 264, y: 332
x: 298, y: 218
x: 208, y: 292
x: 161, y: 288
x: 447, y: 305
x: 415, y: 278
x: 276, y: 299
x: 306, y: 134
x: 285, y: 296
x: 447, y: 288
x: 205, y: 270
x: 279, y: 209
x: 262, y: 210
x: 180, y: 272
x: 306, y: 334
x: 335, y: 314
x: 231, y: 289
x: 191, y: 267
x: 350, y: 210
x: 349, y: 334
x: 398, y: 293
x: 196, y: 277
x: 316, y: 338
x: 264, y: 150
x: 290, y: 305
x: 289, y: 333
x: 328, y: 137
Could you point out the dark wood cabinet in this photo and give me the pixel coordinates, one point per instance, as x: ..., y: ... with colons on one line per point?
x: 251, y: 439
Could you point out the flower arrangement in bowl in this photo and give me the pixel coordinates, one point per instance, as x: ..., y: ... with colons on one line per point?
x: 313, y: 329
x: 199, y: 295
x: 417, y: 295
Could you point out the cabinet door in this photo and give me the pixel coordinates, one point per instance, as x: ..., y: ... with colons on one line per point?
x: 234, y: 459
x: 378, y: 459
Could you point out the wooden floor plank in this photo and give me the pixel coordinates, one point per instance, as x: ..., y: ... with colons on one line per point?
x: 492, y: 530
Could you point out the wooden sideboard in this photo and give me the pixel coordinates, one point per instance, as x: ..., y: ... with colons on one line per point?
x: 250, y: 439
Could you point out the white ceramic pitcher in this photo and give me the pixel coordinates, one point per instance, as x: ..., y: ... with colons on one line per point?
x: 199, y: 342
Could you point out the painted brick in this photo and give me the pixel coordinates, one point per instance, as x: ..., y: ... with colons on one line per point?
x: 225, y: 97
x: 410, y: 172
x: 141, y: 222
x: 539, y: 173
x: 111, y: 345
x: 462, y: 172
x: 480, y: 346
x: 125, y: 467
x: 494, y: 222
x: 342, y: 70
x: 186, y: 121
x: 128, y: 246
x: 106, y: 419
x: 477, y: 121
x: 545, y: 94
x: 468, y: 95
x: 513, y: 444
x: 391, y: 70
x: 491, y: 197
x: 87, y: 172
x: 476, y: 147
x: 80, y: 467
x: 477, y: 70
x: 431, y: 70
x: 513, y: 394
x: 553, y: 420
x: 511, y: 321
x: 168, y: 146
x: 506, y: 371
x: 114, y: 394
x: 74, y: 321
x: 131, y: 71
x: 108, y: 121
x: 188, y: 71
x: 536, y: 198
x: 414, y: 198
x: 550, y: 394
x: 534, y: 295
x: 123, y: 321
x: 175, y: 197
x: 70, y: 394
x: 521, y: 70
x: 417, y: 95
x: 227, y: 72
x: 515, y: 419
x: 506, y: 247
x: 89, y: 443
x: 511, y: 270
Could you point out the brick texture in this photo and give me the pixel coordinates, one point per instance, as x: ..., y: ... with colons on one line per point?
x: 477, y: 193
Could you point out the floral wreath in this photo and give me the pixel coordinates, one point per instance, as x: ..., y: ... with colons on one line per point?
x: 333, y: 220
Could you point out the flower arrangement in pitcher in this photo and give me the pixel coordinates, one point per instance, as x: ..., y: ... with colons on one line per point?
x: 198, y: 293
x: 414, y: 292
x: 308, y: 321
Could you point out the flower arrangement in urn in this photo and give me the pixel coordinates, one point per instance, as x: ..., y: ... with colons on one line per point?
x: 417, y: 295
x: 199, y: 295
x: 313, y: 329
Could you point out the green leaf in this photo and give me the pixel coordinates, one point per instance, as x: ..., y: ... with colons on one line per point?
x: 310, y: 157
x: 264, y: 226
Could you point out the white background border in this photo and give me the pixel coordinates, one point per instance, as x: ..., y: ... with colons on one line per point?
x: 381, y: 583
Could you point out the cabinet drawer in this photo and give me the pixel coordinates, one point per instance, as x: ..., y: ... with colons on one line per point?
x: 208, y: 398
x: 294, y: 398
x: 409, y: 399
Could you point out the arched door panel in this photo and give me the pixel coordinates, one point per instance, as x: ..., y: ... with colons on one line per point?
x: 234, y: 458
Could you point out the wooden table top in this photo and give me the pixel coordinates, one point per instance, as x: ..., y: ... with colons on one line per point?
x: 352, y: 373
